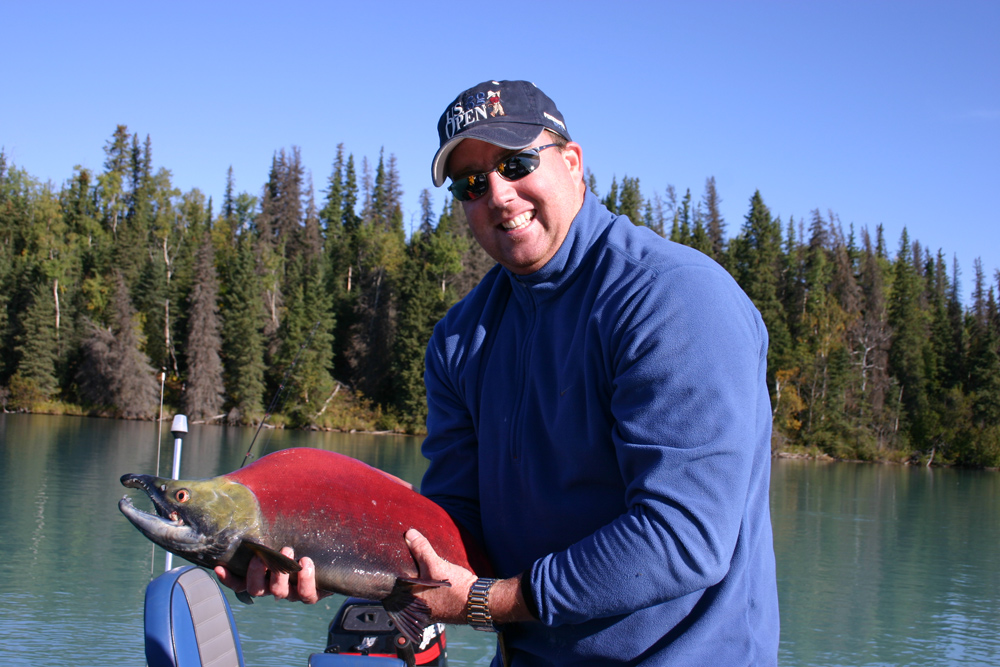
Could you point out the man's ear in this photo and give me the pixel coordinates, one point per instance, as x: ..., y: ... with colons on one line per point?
x: 572, y: 154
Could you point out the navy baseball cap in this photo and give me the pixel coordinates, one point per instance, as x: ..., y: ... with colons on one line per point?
x: 509, y: 114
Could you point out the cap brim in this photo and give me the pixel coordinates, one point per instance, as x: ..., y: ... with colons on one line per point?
x: 512, y: 136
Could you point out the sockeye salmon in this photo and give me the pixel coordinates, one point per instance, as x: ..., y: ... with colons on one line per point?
x: 347, y: 516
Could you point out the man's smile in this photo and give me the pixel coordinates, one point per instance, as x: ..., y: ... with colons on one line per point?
x: 518, y: 222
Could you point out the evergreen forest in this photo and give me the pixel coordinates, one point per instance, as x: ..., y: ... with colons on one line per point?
x: 116, y: 286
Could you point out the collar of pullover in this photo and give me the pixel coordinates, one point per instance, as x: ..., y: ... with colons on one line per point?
x: 560, y: 271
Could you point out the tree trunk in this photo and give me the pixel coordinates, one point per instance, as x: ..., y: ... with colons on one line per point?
x: 55, y: 295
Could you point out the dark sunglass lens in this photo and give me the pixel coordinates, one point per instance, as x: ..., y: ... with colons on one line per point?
x: 458, y: 190
x: 469, y: 188
x: 478, y: 185
x: 518, y: 166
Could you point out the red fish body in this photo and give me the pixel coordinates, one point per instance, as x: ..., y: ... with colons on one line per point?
x: 347, y: 516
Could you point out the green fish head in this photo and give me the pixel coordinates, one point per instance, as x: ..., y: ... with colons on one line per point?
x: 203, y: 521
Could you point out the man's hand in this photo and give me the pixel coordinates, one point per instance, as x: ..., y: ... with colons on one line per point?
x: 260, y: 581
x: 447, y: 603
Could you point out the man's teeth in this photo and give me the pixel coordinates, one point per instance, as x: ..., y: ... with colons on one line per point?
x: 518, y: 222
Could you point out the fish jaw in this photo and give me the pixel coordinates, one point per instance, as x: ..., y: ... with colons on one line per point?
x: 171, y: 534
x: 207, y: 528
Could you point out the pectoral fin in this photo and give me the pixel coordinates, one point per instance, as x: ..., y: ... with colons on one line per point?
x: 275, y: 560
x: 410, y: 614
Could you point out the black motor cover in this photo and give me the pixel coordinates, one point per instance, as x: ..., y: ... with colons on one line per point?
x: 363, y: 627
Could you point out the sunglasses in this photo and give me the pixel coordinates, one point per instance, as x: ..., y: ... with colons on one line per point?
x: 512, y: 168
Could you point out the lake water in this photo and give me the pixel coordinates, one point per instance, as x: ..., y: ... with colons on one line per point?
x: 877, y: 565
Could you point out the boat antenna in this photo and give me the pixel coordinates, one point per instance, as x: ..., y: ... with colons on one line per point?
x: 281, y: 387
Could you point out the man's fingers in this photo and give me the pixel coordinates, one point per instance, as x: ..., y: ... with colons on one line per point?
x: 262, y: 581
x: 418, y: 543
x: 226, y: 578
x: 307, y: 582
x: 279, y: 580
x: 422, y: 552
x: 256, y: 581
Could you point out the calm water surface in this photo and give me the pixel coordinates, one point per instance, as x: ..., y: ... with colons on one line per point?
x: 877, y: 565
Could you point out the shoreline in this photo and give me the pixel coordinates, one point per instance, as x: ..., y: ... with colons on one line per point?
x: 912, y: 459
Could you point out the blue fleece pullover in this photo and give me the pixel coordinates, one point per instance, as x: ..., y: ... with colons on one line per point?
x: 603, y: 425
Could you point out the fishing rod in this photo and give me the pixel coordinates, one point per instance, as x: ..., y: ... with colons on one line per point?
x: 281, y: 387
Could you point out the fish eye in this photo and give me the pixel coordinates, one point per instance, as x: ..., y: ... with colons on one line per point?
x: 182, y: 495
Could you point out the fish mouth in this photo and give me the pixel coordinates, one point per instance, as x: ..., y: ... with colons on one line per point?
x: 166, y: 527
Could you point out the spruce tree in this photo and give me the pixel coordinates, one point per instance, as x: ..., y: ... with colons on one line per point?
x: 342, y: 263
x: 204, y: 391
x: 821, y: 348
x: 982, y: 442
x: 655, y: 214
x: 755, y: 261
x: 112, y: 183
x: 870, y: 337
x: 139, y: 195
x: 984, y: 353
x: 308, y: 326
x: 630, y: 200
x: 37, y: 350
x: 475, y: 261
x: 116, y: 372
x: 909, y: 335
x: 681, y: 230
x: 610, y: 200
x: 6, y: 261
x: 699, y: 234
x: 381, y: 246
x: 591, y: 181
x: 243, y: 341
x: 426, y: 290
x: 306, y: 342
x: 715, y: 224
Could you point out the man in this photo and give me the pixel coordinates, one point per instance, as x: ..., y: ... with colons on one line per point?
x: 598, y: 417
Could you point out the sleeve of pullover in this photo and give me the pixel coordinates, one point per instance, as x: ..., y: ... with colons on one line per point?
x: 452, y: 479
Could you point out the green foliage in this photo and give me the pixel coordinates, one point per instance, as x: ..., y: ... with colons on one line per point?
x: 243, y: 317
x: 204, y: 392
x: 427, y: 290
x: 306, y: 337
x: 37, y: 346
x: 871, y: 356
x: 115, y: 373
x: 756, y: 262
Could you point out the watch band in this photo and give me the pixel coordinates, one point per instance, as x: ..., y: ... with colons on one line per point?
x: 479, y: 616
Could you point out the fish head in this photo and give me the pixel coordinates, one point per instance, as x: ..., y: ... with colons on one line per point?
x: 203, y: 521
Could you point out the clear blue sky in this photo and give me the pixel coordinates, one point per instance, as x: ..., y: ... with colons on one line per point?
x: 880, y: 112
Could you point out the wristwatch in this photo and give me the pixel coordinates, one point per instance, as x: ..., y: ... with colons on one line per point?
x: 479, y: 615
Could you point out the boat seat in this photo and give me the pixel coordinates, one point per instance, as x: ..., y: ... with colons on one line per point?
x: 188, y: 622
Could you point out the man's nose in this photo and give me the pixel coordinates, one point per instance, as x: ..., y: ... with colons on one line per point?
x: 501, y: 191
